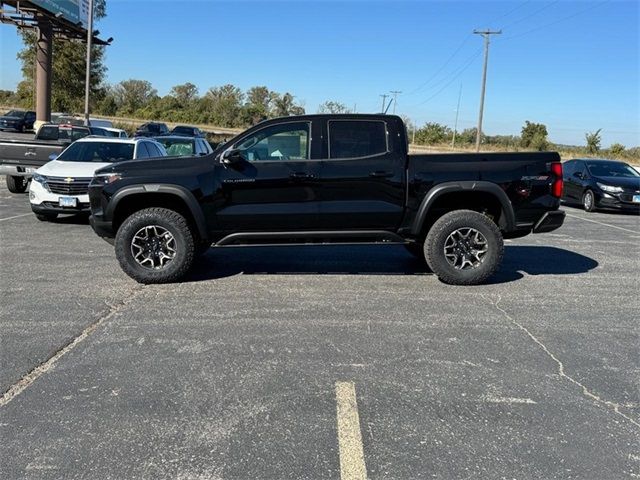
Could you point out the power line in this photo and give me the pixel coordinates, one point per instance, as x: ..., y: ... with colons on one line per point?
x: 533, y: 14
x: 580, y: 12
x: 384, y: 101
x: 471, y: 59
x: 444, y: 65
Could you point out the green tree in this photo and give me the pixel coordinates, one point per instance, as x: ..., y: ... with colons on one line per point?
x: 258, y: 104
x: 433, y: 133
x: 593, y: 141
x: 331, y: 106
x: 284, y: 106
x: 184, y: 94
x: 68, y: 71
x: 617, y: 149
x: 468, y: 136
x: 132, y: 95
x: 224, y: 106
x: 534, y: 135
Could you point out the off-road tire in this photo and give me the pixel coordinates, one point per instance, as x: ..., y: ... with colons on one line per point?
x: 16, y: 184
x: 434, y: 247
x: 176, y: 225
x: 46, y: 217
x: 588, y: 205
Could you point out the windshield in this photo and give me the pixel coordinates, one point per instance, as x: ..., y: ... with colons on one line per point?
x: 15, y: 113
x: 97, y: 152
x: 176, y: 148
x: 183, y: 130
x: 611, y: 169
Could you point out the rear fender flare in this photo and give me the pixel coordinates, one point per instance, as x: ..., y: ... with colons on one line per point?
x: 469, y: 186
x: 185, y: 195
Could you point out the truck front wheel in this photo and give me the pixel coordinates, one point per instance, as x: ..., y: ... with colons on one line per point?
x: 464, y: 247
x: 155, y: 245
x: 16, y: 184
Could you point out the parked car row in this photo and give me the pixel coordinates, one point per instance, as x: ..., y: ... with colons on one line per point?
x: 154, y: 129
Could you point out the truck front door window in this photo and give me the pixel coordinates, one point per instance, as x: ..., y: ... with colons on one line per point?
x: 286, y: 142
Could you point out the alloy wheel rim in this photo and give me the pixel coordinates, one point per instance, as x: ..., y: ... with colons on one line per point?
x: 466, y: 248
x: 153, y: 247
x: 588, y: 200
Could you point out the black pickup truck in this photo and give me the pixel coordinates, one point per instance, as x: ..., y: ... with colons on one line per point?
x: 20, y: 158
x: 325, y: 179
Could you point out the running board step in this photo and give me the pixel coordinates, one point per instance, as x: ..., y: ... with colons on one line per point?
x: 342, y: 236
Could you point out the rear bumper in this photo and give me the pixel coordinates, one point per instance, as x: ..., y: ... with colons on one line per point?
x: 550, y: 221
x: 15, y: 171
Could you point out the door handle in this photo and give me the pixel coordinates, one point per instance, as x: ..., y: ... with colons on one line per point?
x: 301, y: 175
x: 381, y: 174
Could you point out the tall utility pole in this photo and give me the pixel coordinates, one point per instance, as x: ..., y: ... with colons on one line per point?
x: 88, y: 73
x: 395, y: 94
x: 384, y: 101
x: 486, y: 34
x: 455, y: 125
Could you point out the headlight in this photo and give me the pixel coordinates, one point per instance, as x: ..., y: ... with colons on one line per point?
x: 105, y: 178
x: 41, y: 179
x: 609, y: 188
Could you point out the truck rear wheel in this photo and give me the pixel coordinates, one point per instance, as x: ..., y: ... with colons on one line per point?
x: 155, y: 245
x: 464, y: 247
x: 16, y: 184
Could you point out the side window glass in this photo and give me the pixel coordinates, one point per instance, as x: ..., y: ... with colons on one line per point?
x: 142, y: 150
x: 568, y: 168
x: 357, y: 138
x: 285, y: 141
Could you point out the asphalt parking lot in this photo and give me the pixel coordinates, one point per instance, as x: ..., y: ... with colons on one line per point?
x: 247, y: 370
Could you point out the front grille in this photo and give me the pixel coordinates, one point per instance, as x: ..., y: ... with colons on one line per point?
x: 62, y: 186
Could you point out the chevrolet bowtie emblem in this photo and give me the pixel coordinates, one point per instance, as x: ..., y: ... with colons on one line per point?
x: 68, y: 179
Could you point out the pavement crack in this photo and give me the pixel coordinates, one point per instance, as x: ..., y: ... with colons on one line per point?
x: 615, y: 407
x: 30, y: 377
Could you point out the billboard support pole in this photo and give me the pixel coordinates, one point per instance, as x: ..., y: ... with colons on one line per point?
x: 88, y: 73
x: 44, y: 55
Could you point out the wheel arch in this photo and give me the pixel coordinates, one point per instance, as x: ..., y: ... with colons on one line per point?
x: 134, y: 198
x: 462, y: 195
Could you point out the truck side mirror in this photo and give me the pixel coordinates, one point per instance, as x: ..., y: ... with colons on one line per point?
x: 52, y: 157
x: 232, y: 156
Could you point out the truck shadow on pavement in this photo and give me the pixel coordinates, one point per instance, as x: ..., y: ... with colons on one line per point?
x: 374, y: 260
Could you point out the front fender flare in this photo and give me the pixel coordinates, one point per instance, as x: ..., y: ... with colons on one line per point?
x: 467, y: 186
x: 185, y: 195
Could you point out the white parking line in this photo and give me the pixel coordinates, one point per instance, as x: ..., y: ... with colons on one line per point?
x: 601, y: 223
x: 352, y: 466
x: 16, y: 216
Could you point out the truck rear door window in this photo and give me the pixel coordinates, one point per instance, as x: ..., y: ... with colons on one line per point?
x: 357, y: 138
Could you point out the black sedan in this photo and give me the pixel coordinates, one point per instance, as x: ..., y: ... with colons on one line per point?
x: 178, y: 146
x: 18, y: 120
x: 601, y: 184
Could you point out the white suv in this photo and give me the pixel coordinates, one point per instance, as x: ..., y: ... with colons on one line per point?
x: 61, y: 186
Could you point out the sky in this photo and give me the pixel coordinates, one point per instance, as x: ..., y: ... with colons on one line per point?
x: 570, y: 64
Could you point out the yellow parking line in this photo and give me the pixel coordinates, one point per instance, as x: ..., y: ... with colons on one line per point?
x: 352, y: 466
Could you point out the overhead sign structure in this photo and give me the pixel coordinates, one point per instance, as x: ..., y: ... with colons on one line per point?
x: 74, y: 11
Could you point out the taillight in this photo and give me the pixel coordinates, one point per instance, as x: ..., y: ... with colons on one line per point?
x: 558, y: 183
